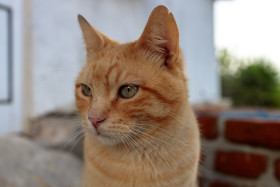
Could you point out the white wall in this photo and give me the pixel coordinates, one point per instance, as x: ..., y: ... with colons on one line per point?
x: 195, y: 22
x: 11, y: 112
x: 57, y: 52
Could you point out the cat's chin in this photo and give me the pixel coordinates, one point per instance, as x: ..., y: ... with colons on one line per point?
x: 106, y: 140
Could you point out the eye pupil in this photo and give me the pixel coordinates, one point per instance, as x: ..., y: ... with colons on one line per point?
x: 86, y: 90
x: 128, y: 91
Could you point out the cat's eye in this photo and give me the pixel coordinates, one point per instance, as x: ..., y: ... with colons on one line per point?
x: 128, y: 91
x: 86, y: 90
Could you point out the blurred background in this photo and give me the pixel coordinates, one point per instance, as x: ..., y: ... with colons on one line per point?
x: 232, y: 57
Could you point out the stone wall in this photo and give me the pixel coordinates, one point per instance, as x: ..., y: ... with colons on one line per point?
x: 240, y: 148
x: 24, y: 163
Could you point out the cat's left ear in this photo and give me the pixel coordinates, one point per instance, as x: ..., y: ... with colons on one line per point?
x: 94, y: 39
x: 161, y: 35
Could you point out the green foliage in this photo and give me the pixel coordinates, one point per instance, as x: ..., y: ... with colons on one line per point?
x: 228, y: 63
x: 250, y: 83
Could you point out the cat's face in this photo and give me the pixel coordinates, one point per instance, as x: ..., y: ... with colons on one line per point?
x: 135, y: 90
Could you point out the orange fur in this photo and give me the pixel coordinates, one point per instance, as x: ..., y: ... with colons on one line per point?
x: 152, y: 138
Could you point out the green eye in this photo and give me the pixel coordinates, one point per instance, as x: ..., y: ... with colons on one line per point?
x: 128, y: 91
x: 86, y: 90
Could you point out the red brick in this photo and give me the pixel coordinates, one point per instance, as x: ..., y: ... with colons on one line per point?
x: 208, y: 126
x: 260, y: 133
x: 220, y: 184
x: 277, y: 169
x: 240, y: 164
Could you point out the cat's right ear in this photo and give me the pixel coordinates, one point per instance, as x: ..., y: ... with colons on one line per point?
x: 94, y: 40
x: 161, y: 35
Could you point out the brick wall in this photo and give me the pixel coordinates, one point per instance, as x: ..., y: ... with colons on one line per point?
x: 240, y: 149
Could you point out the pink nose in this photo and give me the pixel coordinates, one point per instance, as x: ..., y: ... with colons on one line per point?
x: 96, y: 122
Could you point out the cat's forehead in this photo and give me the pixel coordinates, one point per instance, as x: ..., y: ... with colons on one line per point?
x: 106, y: 62
x: 108, y: 56
x: 112, y: 70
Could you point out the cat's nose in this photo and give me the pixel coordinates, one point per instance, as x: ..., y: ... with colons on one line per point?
x: 96, y: 122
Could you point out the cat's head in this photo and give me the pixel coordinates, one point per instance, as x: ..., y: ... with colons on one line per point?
x: 131, y: 91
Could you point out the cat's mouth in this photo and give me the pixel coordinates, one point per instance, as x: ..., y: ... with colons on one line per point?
x: 107, y: 139
x: 107, y: 133
x: 111, y: 137
x: 102, y: 134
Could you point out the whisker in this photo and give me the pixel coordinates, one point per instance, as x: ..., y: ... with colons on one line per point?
x: 124, y: 141
x: 78, y: 139
x: 167, y: 134
x: 75, y: 135
x: 152, y: 148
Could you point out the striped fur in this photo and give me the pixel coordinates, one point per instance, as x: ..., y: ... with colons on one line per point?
x: 151, y: 139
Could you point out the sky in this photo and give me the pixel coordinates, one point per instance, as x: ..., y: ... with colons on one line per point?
x: 249, y: 28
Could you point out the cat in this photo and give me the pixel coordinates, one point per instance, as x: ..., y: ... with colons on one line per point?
x: 133, y: 100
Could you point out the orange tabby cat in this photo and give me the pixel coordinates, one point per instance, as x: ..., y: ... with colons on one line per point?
x: 139, y: 127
